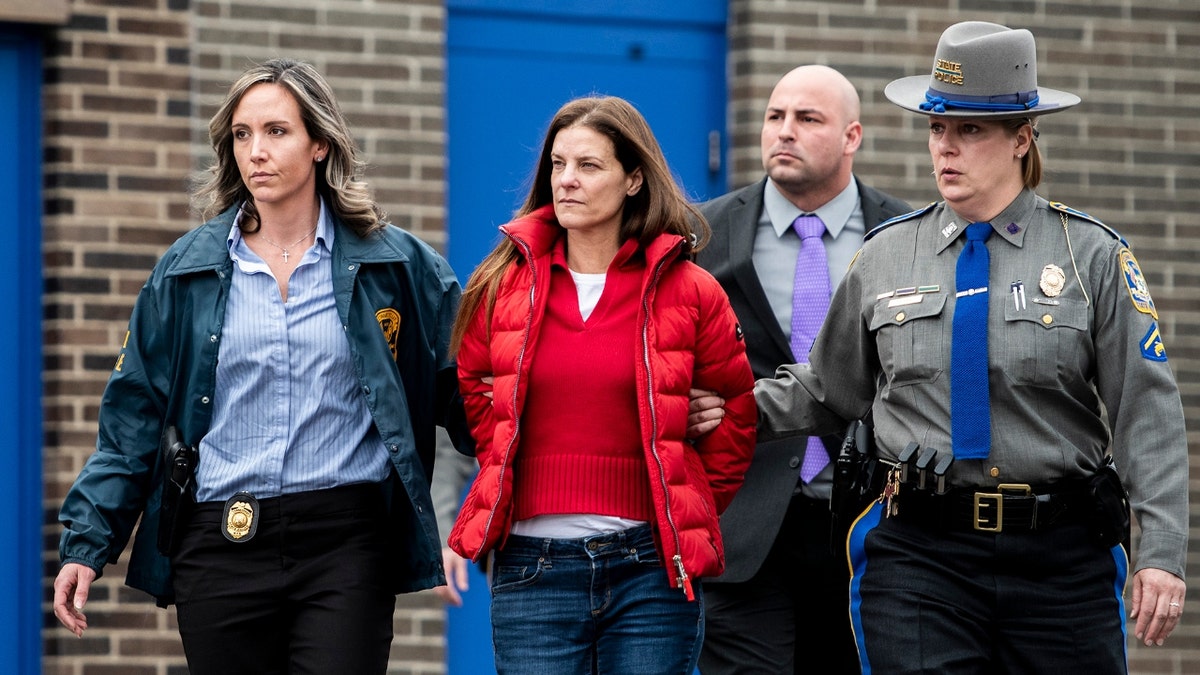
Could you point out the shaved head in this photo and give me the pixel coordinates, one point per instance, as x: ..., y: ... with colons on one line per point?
x: 841, y: 94
x: 810, y: 134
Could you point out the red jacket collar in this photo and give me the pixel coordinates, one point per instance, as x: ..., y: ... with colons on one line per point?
x: 539, y: 229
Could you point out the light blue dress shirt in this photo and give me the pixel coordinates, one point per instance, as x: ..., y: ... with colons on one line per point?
x: 776, y: 245
x: 776, y: 248
x: 288, y: 414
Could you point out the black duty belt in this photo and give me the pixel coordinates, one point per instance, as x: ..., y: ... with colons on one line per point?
x: 1009, y: 506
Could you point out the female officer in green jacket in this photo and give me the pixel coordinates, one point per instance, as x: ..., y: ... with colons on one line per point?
x: 299, y: 343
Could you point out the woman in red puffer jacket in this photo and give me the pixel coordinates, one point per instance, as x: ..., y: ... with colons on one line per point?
x: 578, y: 340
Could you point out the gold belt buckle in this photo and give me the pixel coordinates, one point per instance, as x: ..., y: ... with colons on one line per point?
x: 987, y: 522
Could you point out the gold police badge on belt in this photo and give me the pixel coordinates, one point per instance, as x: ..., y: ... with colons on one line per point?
x: 240, y: 519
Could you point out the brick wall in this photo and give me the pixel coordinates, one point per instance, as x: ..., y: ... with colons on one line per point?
x: 130, y: 85
x: 116, y: 155
x: 1129, y: 154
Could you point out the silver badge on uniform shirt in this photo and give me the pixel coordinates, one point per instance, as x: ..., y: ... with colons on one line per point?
x: 949, y: 229
x: 1052, y: 281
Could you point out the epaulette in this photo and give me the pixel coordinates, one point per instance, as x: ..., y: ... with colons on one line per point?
x: 897, y: 219
x: 1063, y: 208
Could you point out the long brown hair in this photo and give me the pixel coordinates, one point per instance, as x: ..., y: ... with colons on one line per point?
x: 339, y: 178
x: 659, y: 207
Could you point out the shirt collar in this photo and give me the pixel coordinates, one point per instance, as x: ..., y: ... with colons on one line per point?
x: 1010, y: 224
x: 235, y: 232
x: 834, y: 213
x: 325, y: 230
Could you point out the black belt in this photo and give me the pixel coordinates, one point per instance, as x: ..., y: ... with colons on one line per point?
x: 309, y: 502
x: 240, y: 515
x: 1011, y: 506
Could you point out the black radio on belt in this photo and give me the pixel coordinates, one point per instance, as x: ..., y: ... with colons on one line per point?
x: 178, y: 495
x: 857, y: 481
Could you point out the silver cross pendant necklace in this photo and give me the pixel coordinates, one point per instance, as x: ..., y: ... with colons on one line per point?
x: 286, y: 253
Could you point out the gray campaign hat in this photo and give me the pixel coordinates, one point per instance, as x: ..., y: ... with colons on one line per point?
x: 980, y: 69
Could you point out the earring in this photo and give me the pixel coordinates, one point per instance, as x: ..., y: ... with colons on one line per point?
x: 320, y: 157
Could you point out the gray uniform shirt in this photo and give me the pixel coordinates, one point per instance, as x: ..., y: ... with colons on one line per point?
x: 1075, y: 362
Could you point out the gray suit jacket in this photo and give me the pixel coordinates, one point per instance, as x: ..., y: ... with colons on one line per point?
x: 751, y: 523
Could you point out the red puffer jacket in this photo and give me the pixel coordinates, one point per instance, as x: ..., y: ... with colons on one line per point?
x: 688, y: 337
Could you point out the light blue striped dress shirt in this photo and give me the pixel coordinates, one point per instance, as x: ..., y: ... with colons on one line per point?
x: 776, y: 245
x: 289, y: 414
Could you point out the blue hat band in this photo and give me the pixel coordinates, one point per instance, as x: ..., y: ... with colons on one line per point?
x: 937, y: 102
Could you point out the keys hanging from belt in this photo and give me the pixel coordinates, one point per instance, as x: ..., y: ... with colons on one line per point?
x: 890, y: 490
x: 921, y: 469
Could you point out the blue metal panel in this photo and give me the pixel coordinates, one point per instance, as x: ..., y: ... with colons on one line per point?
x: 691, y: 12
x: 20, y: 391
x: 508, y: 73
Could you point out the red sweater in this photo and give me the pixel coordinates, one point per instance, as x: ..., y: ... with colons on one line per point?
x: 586, y: 454
x: 686, y: 336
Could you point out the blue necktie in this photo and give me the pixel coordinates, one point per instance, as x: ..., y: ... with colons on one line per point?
x: 970, y: 414
x: 810, y: 303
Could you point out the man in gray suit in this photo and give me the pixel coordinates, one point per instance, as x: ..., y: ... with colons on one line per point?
x: 783, y: 600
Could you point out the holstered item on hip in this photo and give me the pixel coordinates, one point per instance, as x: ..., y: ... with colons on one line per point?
x: 178, y: 495
x: 858, y: 480
x: 1110, y: 504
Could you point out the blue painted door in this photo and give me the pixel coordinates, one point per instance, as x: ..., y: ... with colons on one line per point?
x: 20, y: 389
x: 511, y: 65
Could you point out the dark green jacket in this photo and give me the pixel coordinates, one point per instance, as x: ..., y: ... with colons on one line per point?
x: 166, y: 374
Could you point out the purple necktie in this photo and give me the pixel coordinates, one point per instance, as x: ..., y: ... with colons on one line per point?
x: 810, y: 302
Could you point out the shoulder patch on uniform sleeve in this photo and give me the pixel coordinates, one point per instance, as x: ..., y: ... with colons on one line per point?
x: 898, y: 219
x: 1063, y: 208
x: 1139, y: 292
x: 1152, y: 346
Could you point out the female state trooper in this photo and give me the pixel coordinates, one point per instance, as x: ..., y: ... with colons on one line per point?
x: 985, y: 334
x: 301, y: 343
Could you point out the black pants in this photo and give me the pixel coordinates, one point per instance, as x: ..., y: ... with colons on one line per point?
x: 793, y: 616
x: 308, y: 594
x: 933, y: 600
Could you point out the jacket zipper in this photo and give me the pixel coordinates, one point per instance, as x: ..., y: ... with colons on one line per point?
x: 516, y: 417
x: 682, y: 578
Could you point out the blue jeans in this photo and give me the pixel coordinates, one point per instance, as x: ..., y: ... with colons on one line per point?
x: 600, y: 604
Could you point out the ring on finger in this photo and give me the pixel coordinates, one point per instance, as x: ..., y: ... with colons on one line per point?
x: 1173, y: 604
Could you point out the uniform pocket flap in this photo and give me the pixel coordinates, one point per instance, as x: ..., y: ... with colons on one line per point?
x: 899, y: 310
